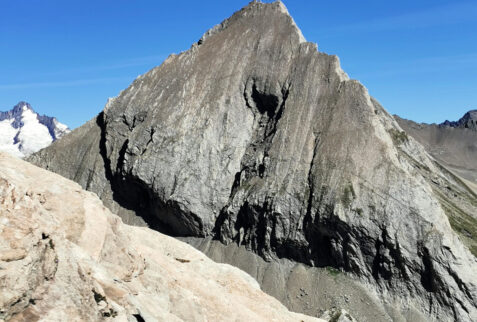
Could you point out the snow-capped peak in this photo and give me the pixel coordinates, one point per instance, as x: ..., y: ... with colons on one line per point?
x: 23, y: 131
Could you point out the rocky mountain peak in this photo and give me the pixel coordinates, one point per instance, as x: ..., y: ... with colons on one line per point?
x: 16, y: 113
x: 258, y: 10
x: 468, y: 121
x: 24, y: 131
x: 21, y: 106
x: 253, y: 137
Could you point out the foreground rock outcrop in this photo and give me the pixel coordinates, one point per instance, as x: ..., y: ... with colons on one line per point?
x: 65, y: 257
x: 254, y: 137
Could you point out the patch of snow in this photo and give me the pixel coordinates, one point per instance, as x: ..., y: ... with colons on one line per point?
x: 7, y: 138
x: 33, y: 135
x: 60, y: 129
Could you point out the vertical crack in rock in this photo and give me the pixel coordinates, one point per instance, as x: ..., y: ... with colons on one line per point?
x: 151, y: 140
x: 328, y: 238
x: 252, y: 225
x: 130, y: 192
x: 102, y: 146
x: 429, y: 278
x: 122, y: 158
x: 267, y: 108
x: 388, y: 261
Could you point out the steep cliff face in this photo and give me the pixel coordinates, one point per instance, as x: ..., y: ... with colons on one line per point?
x: 253, y: 136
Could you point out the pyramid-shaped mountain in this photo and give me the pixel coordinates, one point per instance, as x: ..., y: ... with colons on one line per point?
x: 254, y: 137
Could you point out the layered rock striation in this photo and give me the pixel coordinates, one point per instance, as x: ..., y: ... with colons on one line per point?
x: 254, y: 137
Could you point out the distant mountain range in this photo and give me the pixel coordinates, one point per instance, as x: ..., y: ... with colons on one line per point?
x: 468, y: 121
x: 23, y: 131
x: 452, y: 143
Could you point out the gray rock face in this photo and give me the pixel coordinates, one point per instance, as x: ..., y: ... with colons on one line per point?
x: 254, y: 137
x: 468, y: 121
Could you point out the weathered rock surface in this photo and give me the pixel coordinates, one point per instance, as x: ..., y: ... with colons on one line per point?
x: 338, y: 316
x: 65, y: 257
x: 254, y: 137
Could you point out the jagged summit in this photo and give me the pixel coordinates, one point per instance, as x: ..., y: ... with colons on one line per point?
x: 254, y: 137
x: 257, y: 10
x: 22, y: 105
x: 16, y: 113
x: 23, y: 131
x: 468, y: 121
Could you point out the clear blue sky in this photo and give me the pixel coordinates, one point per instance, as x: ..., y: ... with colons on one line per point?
x: 418, y: 58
